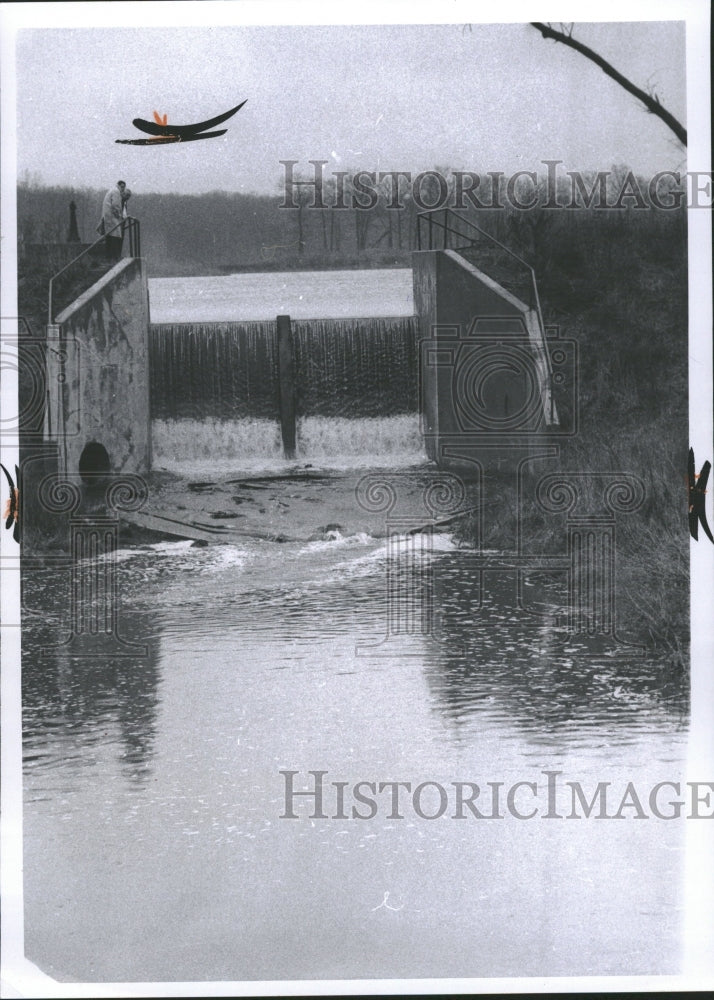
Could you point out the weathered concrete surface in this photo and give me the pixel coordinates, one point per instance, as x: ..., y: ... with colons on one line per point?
x: 98, y: 372
x: 485, y: 391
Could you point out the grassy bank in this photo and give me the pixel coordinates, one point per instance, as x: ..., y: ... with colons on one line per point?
x: 619, y: 287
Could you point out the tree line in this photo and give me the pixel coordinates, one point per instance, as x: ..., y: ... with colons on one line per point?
x: 220, y: 231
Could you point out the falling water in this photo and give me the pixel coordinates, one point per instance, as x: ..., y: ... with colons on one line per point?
x: 357, y: 367
x: 197, y: 446
x: 344, y: 367
x: 213, y: 370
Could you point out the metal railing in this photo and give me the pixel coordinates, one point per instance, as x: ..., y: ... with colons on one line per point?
x: 443, y: 223
x: 446, y: 226
x: 129, y: 225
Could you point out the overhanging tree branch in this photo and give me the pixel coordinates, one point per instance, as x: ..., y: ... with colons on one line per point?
x: 651, y: 103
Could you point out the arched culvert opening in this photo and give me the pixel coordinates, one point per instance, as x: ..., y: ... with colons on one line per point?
x: 93, y: 463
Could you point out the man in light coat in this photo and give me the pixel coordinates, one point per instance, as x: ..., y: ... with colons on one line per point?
x: 112, y: 215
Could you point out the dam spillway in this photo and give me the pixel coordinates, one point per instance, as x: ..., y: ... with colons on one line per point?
x: 214, y: 362
x: 352, y: 345
x: 362, y: 367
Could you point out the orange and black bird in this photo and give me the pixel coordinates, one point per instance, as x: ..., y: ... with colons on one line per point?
x: 161, y: 132
x: 697, y: 492
x: 12, y: 506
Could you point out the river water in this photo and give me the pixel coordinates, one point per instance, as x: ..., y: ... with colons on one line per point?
x: 154, y: 843
x: 300, y: 294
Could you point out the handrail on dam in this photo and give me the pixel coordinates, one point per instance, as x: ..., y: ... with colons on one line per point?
x: 132, y: 227
x: 447, y: 229
x: 431, y: 219
x: 444, y: 225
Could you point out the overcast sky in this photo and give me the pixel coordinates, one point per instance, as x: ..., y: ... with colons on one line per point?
x: 488, y: 97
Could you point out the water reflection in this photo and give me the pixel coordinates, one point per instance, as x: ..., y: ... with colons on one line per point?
x: 488, y: 659
x: 72, y: 704
x: 252, y: 669
x: 494, y: 659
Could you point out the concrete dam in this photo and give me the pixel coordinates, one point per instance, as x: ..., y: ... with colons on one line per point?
x: 458, y: 340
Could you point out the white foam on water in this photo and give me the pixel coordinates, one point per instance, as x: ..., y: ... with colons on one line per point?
x: 123, y: 555
x: 369, y: 563
x: 335, y: 540
x: 171, y: 547
x: 163, y: 548
x: 185, y: 554
x: 444, y: 542
x: 185, y: 442
x: 211, y: 446
x: 368, y: 437
x: 225, y: 556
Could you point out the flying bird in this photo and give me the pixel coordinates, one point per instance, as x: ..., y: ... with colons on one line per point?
x: 697, y: 492
x: 161, y: 132
x: 12, y: 506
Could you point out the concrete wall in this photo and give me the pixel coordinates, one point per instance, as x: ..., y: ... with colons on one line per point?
x: 98, y: 362
x: 484, y: 365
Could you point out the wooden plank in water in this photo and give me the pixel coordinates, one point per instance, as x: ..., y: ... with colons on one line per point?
x: 195, y: 531
x: 168, y: 525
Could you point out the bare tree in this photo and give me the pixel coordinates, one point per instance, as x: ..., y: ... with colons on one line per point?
x: 650, y: 101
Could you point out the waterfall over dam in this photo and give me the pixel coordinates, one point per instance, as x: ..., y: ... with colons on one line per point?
x: 466, y: 347
x: 215, y: 378
x: 344, y: 368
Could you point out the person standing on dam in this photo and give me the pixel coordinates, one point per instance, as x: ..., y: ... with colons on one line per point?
x: 112, y: 215
x: 125, y: 205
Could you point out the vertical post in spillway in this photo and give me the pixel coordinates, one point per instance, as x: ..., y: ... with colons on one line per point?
x: 286, y: 370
